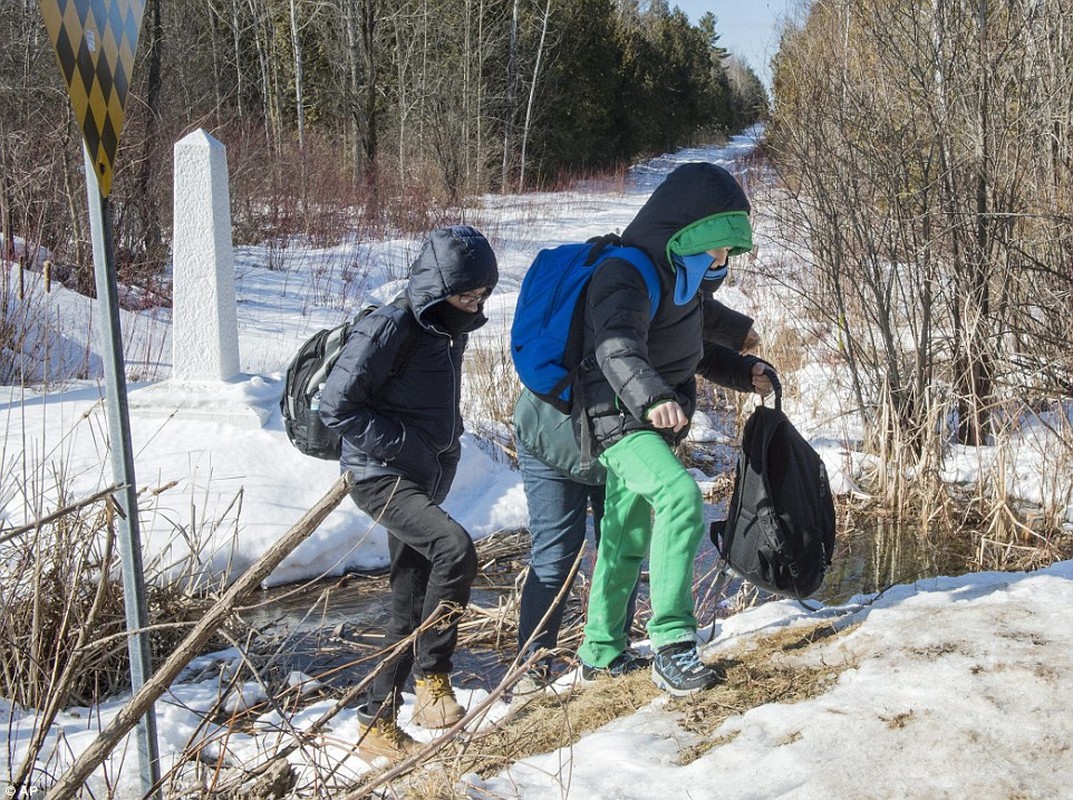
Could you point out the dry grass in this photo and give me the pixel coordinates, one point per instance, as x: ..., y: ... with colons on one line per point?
x: 490, y: 388
x: 30, y: 331
x: 765, y: 673
x: 63, y: 636
x: 62, y: 619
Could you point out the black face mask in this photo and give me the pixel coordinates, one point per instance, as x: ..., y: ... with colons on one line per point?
x: 712, y: 285
x: 453, y: 321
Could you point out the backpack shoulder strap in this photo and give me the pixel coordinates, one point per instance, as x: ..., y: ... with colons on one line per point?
x: 408, y: 326
x: 640, y: 260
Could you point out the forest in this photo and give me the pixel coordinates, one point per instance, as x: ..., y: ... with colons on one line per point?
x: 925, y: 148
x: 921, y: 150
x: 346, y: 114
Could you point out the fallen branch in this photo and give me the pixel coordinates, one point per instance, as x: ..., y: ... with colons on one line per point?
x: 159, y: 682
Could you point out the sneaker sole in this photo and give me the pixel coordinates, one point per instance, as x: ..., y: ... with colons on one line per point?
x: 610, y: 676
x: 605, y: 676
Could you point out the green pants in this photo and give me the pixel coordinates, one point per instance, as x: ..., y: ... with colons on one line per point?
x: 653, y: 508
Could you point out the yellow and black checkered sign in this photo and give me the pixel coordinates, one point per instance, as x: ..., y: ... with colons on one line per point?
x: 95, y: 42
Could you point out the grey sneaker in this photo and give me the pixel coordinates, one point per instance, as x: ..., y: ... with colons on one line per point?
x: 531, y: 685
x: 678, y: 670
x: 625, y: 662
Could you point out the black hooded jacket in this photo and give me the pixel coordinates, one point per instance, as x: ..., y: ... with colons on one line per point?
x: 640, y: 362
x: 408, y: 423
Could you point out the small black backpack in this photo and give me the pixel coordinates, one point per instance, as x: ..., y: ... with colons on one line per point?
x: 779, y: 533
x: 306, y: 374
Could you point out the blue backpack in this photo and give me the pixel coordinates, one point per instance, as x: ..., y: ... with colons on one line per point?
x: 546, y: 335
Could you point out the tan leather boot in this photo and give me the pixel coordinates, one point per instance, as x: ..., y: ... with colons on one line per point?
x: 436, y: 705
x: 381, y: 737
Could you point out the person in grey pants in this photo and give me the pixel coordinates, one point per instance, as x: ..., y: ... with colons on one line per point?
x: 393, y: 396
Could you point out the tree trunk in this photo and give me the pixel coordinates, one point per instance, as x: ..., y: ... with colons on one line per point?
x: 369, y: 106
x: 532, y: 95
x: 508, y: 113
x: 299, y: 103
x: 145, y: 199
x: 236, y: 38
x: 353, y: 51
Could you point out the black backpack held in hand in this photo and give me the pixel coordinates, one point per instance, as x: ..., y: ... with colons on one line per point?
x: 780, y: 529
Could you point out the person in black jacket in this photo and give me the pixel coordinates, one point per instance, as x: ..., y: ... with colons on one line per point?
x: 559, y: 491
x: 393, y: 396
x: 636, y: 394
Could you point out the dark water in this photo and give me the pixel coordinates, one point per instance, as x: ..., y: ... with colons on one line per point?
x: 332, y: 629
x: 883, y: 553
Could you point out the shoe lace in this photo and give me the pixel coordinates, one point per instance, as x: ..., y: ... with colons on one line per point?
x: 540, y: 676
x: 439, y: 686
x: 391, y: 731
x: 688, y: 660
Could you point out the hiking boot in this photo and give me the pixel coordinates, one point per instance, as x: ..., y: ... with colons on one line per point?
x: 381, y: 737
x: 436, y: 706
x: 678, y: 670
x: 625, y: 662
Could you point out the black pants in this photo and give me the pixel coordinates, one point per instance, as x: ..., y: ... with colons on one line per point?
x: 432, y: 560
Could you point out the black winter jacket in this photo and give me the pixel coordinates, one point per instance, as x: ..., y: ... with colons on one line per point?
x: 408, y: 423
x: 547, y: 433
x: 640, y: 362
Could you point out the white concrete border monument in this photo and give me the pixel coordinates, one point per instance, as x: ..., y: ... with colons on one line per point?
x: 205, y: 380
x: 204, y: 323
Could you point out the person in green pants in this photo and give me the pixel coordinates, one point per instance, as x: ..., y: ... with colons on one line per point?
x: 636, y: 393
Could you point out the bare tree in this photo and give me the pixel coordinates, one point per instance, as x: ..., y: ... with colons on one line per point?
x: 921, y: 151
x: 532, y: 93
x: 508, y: 110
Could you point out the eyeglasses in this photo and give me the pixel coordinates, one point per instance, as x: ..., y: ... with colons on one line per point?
x: 472, y: 298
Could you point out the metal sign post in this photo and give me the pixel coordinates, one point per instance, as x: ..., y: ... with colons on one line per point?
x: 126, y: 497
x: 95, y: 42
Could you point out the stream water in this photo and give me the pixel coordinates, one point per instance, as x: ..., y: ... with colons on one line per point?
x: 332, y: 629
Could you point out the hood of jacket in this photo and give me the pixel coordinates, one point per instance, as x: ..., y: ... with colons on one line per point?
x: 698, y: 207
x: 454, y: 260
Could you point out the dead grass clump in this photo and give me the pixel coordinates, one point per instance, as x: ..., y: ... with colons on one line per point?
x: 63, y: 630
x: 62, y: 617
x: 766, y: 673
x: 556, y: 721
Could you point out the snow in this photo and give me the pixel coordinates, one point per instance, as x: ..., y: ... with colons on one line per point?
x: 949, y: 687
